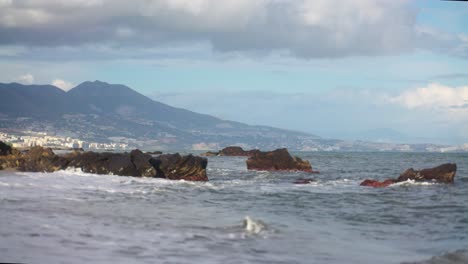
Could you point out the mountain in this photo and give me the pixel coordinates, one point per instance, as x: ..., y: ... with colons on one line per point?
x: 98, y: 111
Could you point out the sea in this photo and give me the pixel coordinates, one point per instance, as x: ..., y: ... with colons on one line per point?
x: 240, y: 216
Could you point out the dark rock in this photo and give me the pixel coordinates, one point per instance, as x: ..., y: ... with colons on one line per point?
x: 154, y: 152
x: 135, y: 163
x: 177, y: 167
x: 277, y: 160
x: 303, y: 181
x: 377, y: 184
x: 237, y: 151
x: 39, y: 159
x: 232, y: 151
x: 210, y: 154
x: 444, y: 173
x: 5, y: 149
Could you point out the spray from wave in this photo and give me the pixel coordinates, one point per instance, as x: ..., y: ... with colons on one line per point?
x: 252, y: 226
x: 456, y: 257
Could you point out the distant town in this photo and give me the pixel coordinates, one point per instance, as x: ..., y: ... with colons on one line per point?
x: 27, y: 139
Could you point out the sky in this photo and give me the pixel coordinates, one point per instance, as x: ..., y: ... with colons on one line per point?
x: 334, y: 68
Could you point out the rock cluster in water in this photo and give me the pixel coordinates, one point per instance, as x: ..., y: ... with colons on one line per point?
x: 135, y: 163
x: 232, y: 151
x: 444, y: 173
x: 277, y: 160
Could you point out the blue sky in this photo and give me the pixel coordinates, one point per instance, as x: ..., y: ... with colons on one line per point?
x: 335, y: 68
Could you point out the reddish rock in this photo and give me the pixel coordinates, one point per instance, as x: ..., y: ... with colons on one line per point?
x: 277, y: 160
x: 233, y: 151
x: 303, y: 181
x: 237, y: 151
x: 377, y: 184
x: 444, y: 173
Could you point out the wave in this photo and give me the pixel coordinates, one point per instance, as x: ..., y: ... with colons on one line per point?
x: 252, y: 226
x: 410, y: 182
x: 456, y: 257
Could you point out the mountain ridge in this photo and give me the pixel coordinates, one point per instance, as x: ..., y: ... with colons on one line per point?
x: 98, y: 110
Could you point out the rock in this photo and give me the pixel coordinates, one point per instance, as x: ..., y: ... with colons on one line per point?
x: 444, y: 173
x: 377, y: 184
x: 232, y: 151
x: 277, y: 160
x: 210, y: 154
x: 237, y: 151
x: 154, y: 152
x: 303, y: 181
x: 177, y: 167
x: 39, y: 159
x: 135, y: 163
x: 5, y: 149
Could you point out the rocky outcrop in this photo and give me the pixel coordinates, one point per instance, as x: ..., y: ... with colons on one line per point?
x: 156, y: 152
x: 277, y: 160
x: 210, y: 154
x: 232, y: 151
x: 237, y: 151
x: 444, y: 173
x: 377, y: 184
x: 303, y: 181
x: 177, y: 167
x: 4, y: 149
x: 135, y: 163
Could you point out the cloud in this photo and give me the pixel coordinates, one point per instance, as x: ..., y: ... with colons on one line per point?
x: 64, y: 85
x: 302, y: 28
x: 433, y: 96
x: 26, y: 79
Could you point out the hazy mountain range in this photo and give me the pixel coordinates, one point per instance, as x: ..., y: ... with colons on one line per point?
x: 102, y: 112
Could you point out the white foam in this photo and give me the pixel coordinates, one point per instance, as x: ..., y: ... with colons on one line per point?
x: 252, y: 226
x: 413, y: 182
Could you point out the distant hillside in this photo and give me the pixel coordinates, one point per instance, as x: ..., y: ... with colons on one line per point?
x: 101, y: 111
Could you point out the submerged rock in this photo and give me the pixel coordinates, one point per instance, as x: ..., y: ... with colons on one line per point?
x: 157, y: 152
x: 232, y: 151
x: 277, y: 160
x: 303, y: 181
x: 377, y: 184
x: 210, y: 154
x: 444, y: 173
x: 135, y: 163
x: 237, y: 151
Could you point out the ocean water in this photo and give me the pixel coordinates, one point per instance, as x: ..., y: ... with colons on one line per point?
x: 239, y: 216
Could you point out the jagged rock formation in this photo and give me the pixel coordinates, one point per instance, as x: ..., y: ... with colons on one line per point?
x: 135, y: 163
x: 444, y: 173
x: 232, y: 151
x: 277, y: 160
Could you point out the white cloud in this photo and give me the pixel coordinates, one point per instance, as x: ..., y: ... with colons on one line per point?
x: 26, y: 79
x: 304, y: 28
x: 433, y: 96
x: 64, y: 85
